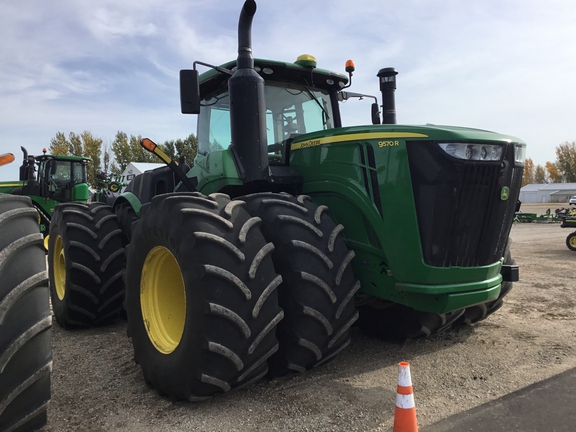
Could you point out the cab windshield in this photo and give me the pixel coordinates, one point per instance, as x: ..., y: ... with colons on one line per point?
x: 68, y: 172
x: 290, y: 110
x: 62, y: 176
x: 78, y: 172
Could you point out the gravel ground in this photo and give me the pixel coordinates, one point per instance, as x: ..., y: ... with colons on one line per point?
x: 97, y: 387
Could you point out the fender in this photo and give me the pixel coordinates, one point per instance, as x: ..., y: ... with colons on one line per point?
x: 131, y: 199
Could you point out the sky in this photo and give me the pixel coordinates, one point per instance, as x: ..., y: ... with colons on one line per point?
x: 112, y: 65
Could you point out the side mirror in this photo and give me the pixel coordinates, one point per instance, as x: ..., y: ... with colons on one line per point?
x: 52, y: 166
x: 189, y: 92
x: 375, y: 114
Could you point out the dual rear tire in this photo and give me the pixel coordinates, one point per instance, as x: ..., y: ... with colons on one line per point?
x: 201, y: 295
x: 86, y: 257
x: 221, y: 292
x: 317, y: 292
x: 25, y: 319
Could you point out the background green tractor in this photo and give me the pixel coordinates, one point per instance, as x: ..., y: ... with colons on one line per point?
x: 568, y: 220
x: 49, y: 180
x: 289, y: 227
x: 109, y: 188
x: 25, y: 318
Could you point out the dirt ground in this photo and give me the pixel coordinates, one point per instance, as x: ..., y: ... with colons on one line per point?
x: 97, y: 387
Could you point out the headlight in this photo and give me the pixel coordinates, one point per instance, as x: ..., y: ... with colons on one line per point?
x: 475, y: 152
x: 519, y: 154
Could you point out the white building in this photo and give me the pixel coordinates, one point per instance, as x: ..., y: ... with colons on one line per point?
x: 547, y: 192
x: 135, y: 168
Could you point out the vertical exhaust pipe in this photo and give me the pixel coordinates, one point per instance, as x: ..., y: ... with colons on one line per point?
x: 387, y: 77
x: 27, y: 169
x: 248, y: 106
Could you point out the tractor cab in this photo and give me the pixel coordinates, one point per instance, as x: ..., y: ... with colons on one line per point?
x: 54, y: 177
x: 250, y: 148
x: 61, y: 178
x: 298, y: 97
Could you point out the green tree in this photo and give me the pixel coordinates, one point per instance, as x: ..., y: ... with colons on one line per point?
x: 169, y: 148
x: 528, y: 176
x: 139, y: 154
x: 540, y: 175
x: 553, y: 173
x: 566, y: 161
x: 92, y: 148
x: 107, y: 159
x: 84, y: 144
x: 182, y: 148
x: 121, y: 150
x: 59, y: 145
x: 128, y: 149
x: 75, y: 147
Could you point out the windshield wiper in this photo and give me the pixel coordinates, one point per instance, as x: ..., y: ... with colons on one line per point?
x: 315, y: 99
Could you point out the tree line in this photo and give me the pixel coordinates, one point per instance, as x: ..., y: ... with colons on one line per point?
x: 562, y: 170
x: 114, y: 158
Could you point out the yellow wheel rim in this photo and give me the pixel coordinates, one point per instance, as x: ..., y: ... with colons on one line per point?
x: 163, y: 299
x: 573, y: 241
x: 59, y: 266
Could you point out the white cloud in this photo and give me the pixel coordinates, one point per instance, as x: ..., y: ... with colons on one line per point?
x: 109, y: 25
x: 104, y: 65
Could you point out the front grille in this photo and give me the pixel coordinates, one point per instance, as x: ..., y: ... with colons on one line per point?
x: 462, y: 219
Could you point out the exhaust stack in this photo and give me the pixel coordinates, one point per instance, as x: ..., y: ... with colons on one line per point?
x: 387, y: 78
x: 27, y: 169
x: 247, y: 106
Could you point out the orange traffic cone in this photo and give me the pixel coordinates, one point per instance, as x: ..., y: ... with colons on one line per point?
x: 405, y: 415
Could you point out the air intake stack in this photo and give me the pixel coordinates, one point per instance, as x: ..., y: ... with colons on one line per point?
x: 387, y: 77
x: 247, y: 106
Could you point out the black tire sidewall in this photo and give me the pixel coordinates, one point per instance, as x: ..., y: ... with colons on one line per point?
x: 297, y: 294
x: 101, y: 300
x: 568, y: 239
x: 26, y: 319
x: 179, y: 374
x: 192, y: 330
x: 59, y: 306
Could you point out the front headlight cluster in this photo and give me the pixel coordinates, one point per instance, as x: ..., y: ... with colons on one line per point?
x: 519, y: 154
x: 474, y: 152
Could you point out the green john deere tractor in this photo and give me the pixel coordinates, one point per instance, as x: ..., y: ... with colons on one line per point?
x: 109, y: 188
x: 568, y: 220
x: 288, y: 228
x: 25, y: 318
x: 49, y: 180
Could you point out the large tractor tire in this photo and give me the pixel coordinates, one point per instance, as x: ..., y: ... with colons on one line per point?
x: 126, y: 217
x: 317, y: 292
x: 86, y: 257
x: 201, y: 295
x: 25, y: 319
x: 571, y: 241
x: 482, y: 311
